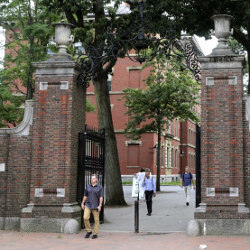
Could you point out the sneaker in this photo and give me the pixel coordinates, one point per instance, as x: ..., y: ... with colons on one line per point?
x: 187, y: 203
x: 88, y: 234
x: 94, y: 236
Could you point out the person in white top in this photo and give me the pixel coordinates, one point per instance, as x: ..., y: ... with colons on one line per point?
x: 140, y: 177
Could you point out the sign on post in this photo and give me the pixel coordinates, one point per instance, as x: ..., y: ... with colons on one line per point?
x: 135, y: 187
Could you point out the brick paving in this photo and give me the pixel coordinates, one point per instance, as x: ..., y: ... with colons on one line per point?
x: 116, y: 240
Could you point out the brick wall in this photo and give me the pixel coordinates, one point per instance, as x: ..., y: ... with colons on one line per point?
x: 15, y: 157
x: 4, y: 142
x: 18, y: 175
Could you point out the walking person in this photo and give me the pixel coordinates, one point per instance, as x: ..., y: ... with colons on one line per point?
x: 149, y: 187
x: 92, y: 203
x: 140, y: 176
x: 186, y: 181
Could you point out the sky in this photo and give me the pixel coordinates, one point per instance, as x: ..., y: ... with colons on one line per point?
x: 207, y: 45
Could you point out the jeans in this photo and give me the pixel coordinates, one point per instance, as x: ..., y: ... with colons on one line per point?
x: 148, y: 197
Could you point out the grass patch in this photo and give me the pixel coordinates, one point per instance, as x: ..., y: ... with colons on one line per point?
x: 127, y: 183
x: 175, y: 183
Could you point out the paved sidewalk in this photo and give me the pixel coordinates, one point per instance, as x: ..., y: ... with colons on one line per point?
x: 165, y: 229
x: 170, y: 213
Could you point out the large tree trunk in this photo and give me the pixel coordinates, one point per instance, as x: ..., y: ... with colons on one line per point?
x: 114, y: 191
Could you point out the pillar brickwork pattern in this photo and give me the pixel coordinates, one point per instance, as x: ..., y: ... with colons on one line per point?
x: 224, y: 207
x: 58, y: 118
x: 246, y: 140
x: 222, y: 139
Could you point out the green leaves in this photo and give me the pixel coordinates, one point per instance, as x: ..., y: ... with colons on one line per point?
x: 194, y: 16
x: 11, y: 112
x: 170, y: 94
x: 28, y: 31
x: 89, y: 106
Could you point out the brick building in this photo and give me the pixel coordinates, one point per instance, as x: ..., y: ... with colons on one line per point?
x: 178, y: 143
x: 17, y: 86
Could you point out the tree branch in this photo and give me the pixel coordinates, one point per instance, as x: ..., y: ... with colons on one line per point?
x: 109, y: 66
x: 241, y: 37
x: 71, y: 18
x: 80, y: 18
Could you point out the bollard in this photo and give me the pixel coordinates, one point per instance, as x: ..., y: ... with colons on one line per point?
x: 137, y: 216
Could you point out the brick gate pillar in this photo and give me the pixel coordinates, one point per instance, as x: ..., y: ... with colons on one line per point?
x: 59, y: 115
x: 222, y: 209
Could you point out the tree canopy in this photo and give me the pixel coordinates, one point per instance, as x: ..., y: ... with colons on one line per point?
x: 28, y: 30
x: 194, y: 16
x: 11, y: 109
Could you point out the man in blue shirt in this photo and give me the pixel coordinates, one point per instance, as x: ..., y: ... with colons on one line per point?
x: 149, y: 187
x: 92, y: 203
x: 186, y: 180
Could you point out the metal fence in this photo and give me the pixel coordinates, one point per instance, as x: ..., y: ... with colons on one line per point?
x: 91, y: 159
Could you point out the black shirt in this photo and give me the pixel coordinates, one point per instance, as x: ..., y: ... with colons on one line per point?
x: 93, y: 193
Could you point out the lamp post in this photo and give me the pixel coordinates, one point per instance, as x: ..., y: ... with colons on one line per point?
x: 137, y: 210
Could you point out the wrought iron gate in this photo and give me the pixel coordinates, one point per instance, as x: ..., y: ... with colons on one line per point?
x: 198, y: 165
x: 91, y: 158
